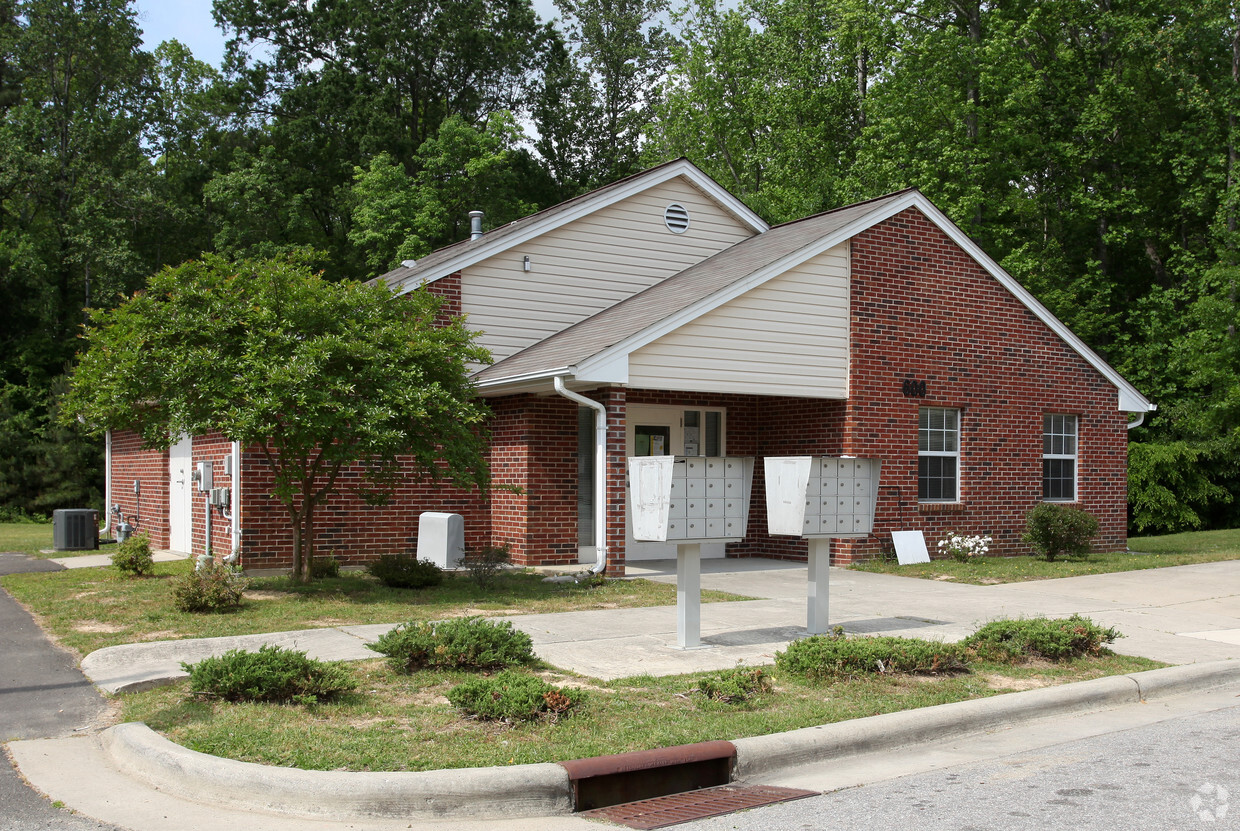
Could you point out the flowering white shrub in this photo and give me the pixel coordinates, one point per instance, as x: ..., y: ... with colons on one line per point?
x: 963, y: 548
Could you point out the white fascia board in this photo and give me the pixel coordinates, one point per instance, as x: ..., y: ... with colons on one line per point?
x: 588, y: 205
x: 1130, y: 400
x: 493, y: 385
x: 597, y: 364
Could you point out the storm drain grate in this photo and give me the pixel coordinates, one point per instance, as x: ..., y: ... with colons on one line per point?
x: 663, y: 811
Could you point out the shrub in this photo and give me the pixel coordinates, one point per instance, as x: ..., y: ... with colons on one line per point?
x: 1052, y: 638
x: 212, y: 588
x: 513, y: 696
x: 734, y: 686
x: 829, y: 656
x: 484, y: 564
x: 321, y: 567
x: 133, y: 556
x: 404, y: 571
x: 271, y: 674
x: 963, y: 548
x: 468, y: 643
x: 1054, y: 529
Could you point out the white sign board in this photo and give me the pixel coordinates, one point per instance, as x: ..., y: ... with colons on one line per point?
x: 910, y: 547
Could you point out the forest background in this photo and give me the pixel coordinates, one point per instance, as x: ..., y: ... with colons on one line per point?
x: 1089, y: 146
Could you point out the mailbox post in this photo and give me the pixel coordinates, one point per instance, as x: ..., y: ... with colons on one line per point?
x: 820, y: 497
x: 689, y: 500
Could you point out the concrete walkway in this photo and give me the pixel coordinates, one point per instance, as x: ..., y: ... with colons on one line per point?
x: 1184, y: 615
x: 1178, y: 615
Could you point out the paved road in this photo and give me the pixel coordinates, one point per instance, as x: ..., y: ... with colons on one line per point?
x: 42, y: 695
x: 1177, y: 775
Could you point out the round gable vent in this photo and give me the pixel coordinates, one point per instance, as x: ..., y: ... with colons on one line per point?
x: 676, y: 218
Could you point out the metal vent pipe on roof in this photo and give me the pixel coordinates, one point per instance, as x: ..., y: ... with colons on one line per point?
x: 475, y: 225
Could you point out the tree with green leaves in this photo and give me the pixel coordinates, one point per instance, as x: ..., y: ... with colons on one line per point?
x: 461, y: 168
x: 316, y: 376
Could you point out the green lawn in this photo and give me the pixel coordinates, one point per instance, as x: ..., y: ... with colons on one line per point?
x: 403, y: 722
x: 1145, y: 552
x: 26, y: 537
x: 90, y: 608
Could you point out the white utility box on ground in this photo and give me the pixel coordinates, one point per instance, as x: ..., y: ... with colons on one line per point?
x: 689, y: 500
x: 441, y: 538
x: 820, y: 497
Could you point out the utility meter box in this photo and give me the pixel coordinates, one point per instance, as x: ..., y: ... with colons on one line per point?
x: 689, y: 498
x: 821, y: 496
x: 441, y: 538
x: 204, y: 476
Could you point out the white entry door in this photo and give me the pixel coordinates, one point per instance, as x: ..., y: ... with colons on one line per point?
x: 670, y: 431
x: 181, y: 496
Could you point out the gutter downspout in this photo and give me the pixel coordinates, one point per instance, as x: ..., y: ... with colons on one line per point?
x: 236, y: 499
x: 1140, y: 420
x: 600, y: 470
x: 107, y: 483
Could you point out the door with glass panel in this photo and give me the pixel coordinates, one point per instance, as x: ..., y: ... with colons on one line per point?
x: 671, y: 431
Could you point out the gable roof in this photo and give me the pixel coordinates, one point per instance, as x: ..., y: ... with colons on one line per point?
x: 596, y: 349
x: 453, y: 258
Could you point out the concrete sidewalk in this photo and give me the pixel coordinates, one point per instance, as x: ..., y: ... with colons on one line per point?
x: 1184, y: 615
x: 1178, y: 615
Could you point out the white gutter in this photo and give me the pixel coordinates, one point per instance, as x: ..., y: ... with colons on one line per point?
x: 1140, y: 420
x: 600, y: 470
x: 107, y: 482
x: 236, y: 498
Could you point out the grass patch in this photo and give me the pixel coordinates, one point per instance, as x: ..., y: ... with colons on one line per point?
x: 404, y: 722
x: 90, y: 608
x: 28, y: 538
x: 1156, y: 552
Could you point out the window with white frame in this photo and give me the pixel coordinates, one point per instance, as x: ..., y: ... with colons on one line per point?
x: 1059, y: 458
x: 938, y: 454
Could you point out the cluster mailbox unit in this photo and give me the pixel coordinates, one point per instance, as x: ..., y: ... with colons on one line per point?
x: 689, y: 500
x: 820, y: 497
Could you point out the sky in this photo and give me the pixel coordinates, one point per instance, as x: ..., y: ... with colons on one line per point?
x: 190, y: 22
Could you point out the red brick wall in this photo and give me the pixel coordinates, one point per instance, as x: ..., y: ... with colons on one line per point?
x: 130, y: 463
x: 448, y: 288
x: 346, y: 526
x: 922, y: 309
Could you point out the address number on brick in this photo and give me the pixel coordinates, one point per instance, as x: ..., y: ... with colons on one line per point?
x: 914, y: 389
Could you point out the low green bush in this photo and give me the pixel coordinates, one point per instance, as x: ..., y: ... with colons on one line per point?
x: 404, y: 571
x: 464, y: 643
x: 1054, y: 639
x: 734, y: 686
x: 513, y: 696
x: 1053, y: 530
x: 830, y: 656
x: 271, y: 674
x: 322, y: 567
x: 133, y: 556
x: 486, y: 563
x: 213, y: 588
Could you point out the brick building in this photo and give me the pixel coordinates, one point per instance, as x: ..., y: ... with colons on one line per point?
x: 659, y: 315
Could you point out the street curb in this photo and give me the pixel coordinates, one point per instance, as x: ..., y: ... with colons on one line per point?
x: 496, y: 792
x: 545, y: 790
x: 764, y: 756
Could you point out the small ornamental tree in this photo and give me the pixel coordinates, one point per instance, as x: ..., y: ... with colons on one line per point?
x: 317, y: 376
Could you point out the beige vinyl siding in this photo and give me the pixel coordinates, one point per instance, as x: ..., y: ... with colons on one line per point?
x: 587, y: 265
x: 788, y: 336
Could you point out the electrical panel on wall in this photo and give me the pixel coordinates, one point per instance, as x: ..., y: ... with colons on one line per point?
x: 821, y: 496
x: 689, y: 498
